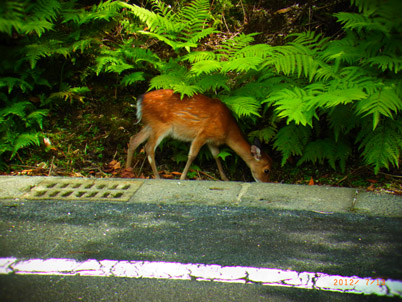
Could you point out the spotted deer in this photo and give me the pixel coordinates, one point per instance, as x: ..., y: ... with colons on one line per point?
x: 199, y: 120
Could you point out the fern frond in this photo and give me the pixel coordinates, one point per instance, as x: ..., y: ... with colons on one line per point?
x: 15, y: 108
x: 106, y: 63
x: 213, y: 82
x: 71, y: 14
x: 169, y: 40
x: 197, y: 56
x: 309, y: 39
x: 105, y: 11
x: 335, y: 97
x: 24, y: 140
x: 382, y: 146
x: 293, y: 105
x: 27, y: 18
x: 197, y: 13
x: 37, y: 26
x: 359, y: 22
x: 162, y: 9
x: 290, y: 141
x: 391, y: 63
x: 132, y: 78
x: 289, y: 60
x: 36, y: 117
x: 207, y: 67
x: 326, y: 149
x: 11, y: 17
x: 46, y: 9
x: 71, y: 94
x: 242, y: 105
x: 258, y: 90
x: 138, y: 55
x: 340, y: 51
x: 166, y: 81
x: 257, y: 50
x: 10, y: 83
x: 242, y: 64
x: 384, y: 102
x: 337, y: 116
x: 356, y: 76
x: 197, y: 36
x: 82, y: 44
x: 236, y: 43
x: 264, y: 135
x: 45, y: 49
x: 186, y: 89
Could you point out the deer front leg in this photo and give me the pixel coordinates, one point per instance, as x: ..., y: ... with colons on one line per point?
x: 215, y: 152
x: 196, y: 145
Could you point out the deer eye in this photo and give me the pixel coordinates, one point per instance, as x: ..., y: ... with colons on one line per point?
x: 266, y: 171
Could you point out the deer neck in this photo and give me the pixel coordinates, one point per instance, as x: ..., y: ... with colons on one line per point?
x: 237, y: 142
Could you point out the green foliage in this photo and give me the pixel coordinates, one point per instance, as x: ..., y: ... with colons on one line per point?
x: 183, y: 29
x: 39, y: 39
x: 315, y: 94
x: 312, y: 84
x: 348, y: 83
x: 382, y: 146
x: 17, y: 124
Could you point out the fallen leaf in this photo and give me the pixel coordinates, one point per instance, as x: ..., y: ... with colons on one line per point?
x: 283, y: 10
x: 127, y: 173
x: 311, y: 182
x: 371, y: 187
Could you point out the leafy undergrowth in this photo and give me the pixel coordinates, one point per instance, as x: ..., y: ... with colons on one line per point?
x: 90, y: 140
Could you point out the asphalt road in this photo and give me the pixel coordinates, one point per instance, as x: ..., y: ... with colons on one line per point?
x: 344, y: 244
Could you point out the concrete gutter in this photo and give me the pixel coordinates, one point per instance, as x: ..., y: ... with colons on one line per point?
x: 322, y: 199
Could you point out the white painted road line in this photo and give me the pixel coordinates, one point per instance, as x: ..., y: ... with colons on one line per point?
x: 202, y: 272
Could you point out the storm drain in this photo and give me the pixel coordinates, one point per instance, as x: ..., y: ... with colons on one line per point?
x: 82, y: 189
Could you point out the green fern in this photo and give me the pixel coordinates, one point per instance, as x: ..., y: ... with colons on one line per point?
x: 10, y: 83
x: 132, y: 78
x: 71, y: 94
x: 293, y: 104
x: 326, y: 149
x: 24, y: 140
x: 291, y: 140
x: 206, y: 67
x: 242, y: 106
x: 233, y: 45
x: 385, y: 102
x: 183, y: 29
x: 25, y: 17
x: 199, y: 56
x: 382, y: 146
x: 336, y: 117
x: 18, y: 121
x: 212, y: 82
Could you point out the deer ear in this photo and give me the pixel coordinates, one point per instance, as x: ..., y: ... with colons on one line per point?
x: 256, y: 152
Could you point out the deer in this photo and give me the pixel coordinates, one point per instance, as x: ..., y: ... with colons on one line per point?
x: 197, y: 119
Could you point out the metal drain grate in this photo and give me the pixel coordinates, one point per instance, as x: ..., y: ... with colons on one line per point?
x: 82, y: 189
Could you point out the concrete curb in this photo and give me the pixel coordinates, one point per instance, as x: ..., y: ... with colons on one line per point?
x: 321, y: 199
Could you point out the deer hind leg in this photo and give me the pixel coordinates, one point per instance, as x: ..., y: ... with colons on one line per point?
x: 152, y: 144
x: 215, y: 152
x: 135, y: 141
